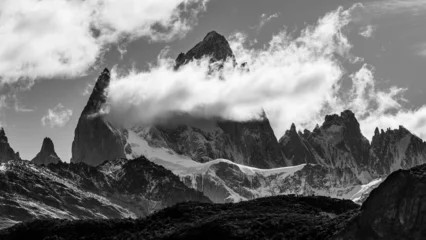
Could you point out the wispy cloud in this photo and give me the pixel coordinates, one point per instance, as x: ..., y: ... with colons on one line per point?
x: 87, y: 90
x: 264, y: 19
x: 396, y: 6
x: 61, y: 38
x: 57, y: 117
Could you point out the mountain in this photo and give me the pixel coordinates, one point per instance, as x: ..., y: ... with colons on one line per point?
x: 47, y: 154
x: 283, y: 217
x: 395, y: 149
x: 95, y: 139
x: 251, y: 143
x: 6, y: 152
x: 340, y: 146
x: 394, y: 210
x: 212, y: 155
x: 116, y: 189
x: 214, y: 46
x: 295, y: 147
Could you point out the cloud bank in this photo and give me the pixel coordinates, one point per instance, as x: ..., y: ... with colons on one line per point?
x: 62, y: 38
x: 295, y: 79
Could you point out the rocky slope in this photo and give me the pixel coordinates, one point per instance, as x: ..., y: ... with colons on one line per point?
x: 6, y: 152
x: 47, y: 154
x: 116, y: 189
x: 95, y: 139
x: 284, y: 217
x: 394, y: 210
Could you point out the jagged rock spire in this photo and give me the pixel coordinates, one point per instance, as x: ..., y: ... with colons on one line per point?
x: 47, y: 154
x: 95, y: 139
x: 98, y: 96
x: 6, y: 152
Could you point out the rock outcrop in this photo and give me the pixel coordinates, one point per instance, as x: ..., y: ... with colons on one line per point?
x: 95, y: 139
x: 47, y: 154
x: 394, y: 210
x: 6, y: 152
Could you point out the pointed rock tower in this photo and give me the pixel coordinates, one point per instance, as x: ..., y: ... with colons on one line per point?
x: 47, y: 154
x: 95, y: 139
x: 6, y: 152
x: 295, y: 147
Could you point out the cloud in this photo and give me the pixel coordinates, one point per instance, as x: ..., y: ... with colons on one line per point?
x: 264, y: 19
x: 367, y: 31
x: 61, y: 38
x: 396, y: 6
x: 87, y: 90
x: 291, y: 78
x: 57, y: 117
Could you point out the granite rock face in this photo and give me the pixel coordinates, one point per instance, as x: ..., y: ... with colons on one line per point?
x: 95, y: 139
x: 47, y: 154
x: 6, y: 151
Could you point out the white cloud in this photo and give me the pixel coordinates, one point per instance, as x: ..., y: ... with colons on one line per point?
x: 57, y: 117
x: 264, y: 19
x: 367, y: 31
x: 53, y: 38
x: 295, y: 80
x: 291, y: 79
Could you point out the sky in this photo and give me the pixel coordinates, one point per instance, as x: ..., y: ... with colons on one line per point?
x: 307, y: 58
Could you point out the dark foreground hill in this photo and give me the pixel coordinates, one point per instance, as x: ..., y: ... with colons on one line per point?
x: 281, y: 217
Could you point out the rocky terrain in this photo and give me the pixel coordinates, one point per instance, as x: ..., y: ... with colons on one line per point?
x: 284, y: 217
x: 115, y: 189
x: 47, y: 154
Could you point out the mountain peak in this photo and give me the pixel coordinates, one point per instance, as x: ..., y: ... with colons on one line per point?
x: 213, y: 45
x: 293, y: 128
x: 47, y: 145
x: 213, y: 34
x: 98, y: 96
x: 47, y: 154
x: 6, y: 152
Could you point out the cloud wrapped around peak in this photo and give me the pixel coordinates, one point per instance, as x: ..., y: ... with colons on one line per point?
x: 290, y: 79
x: 53, y: 38
x: 294, y: 79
